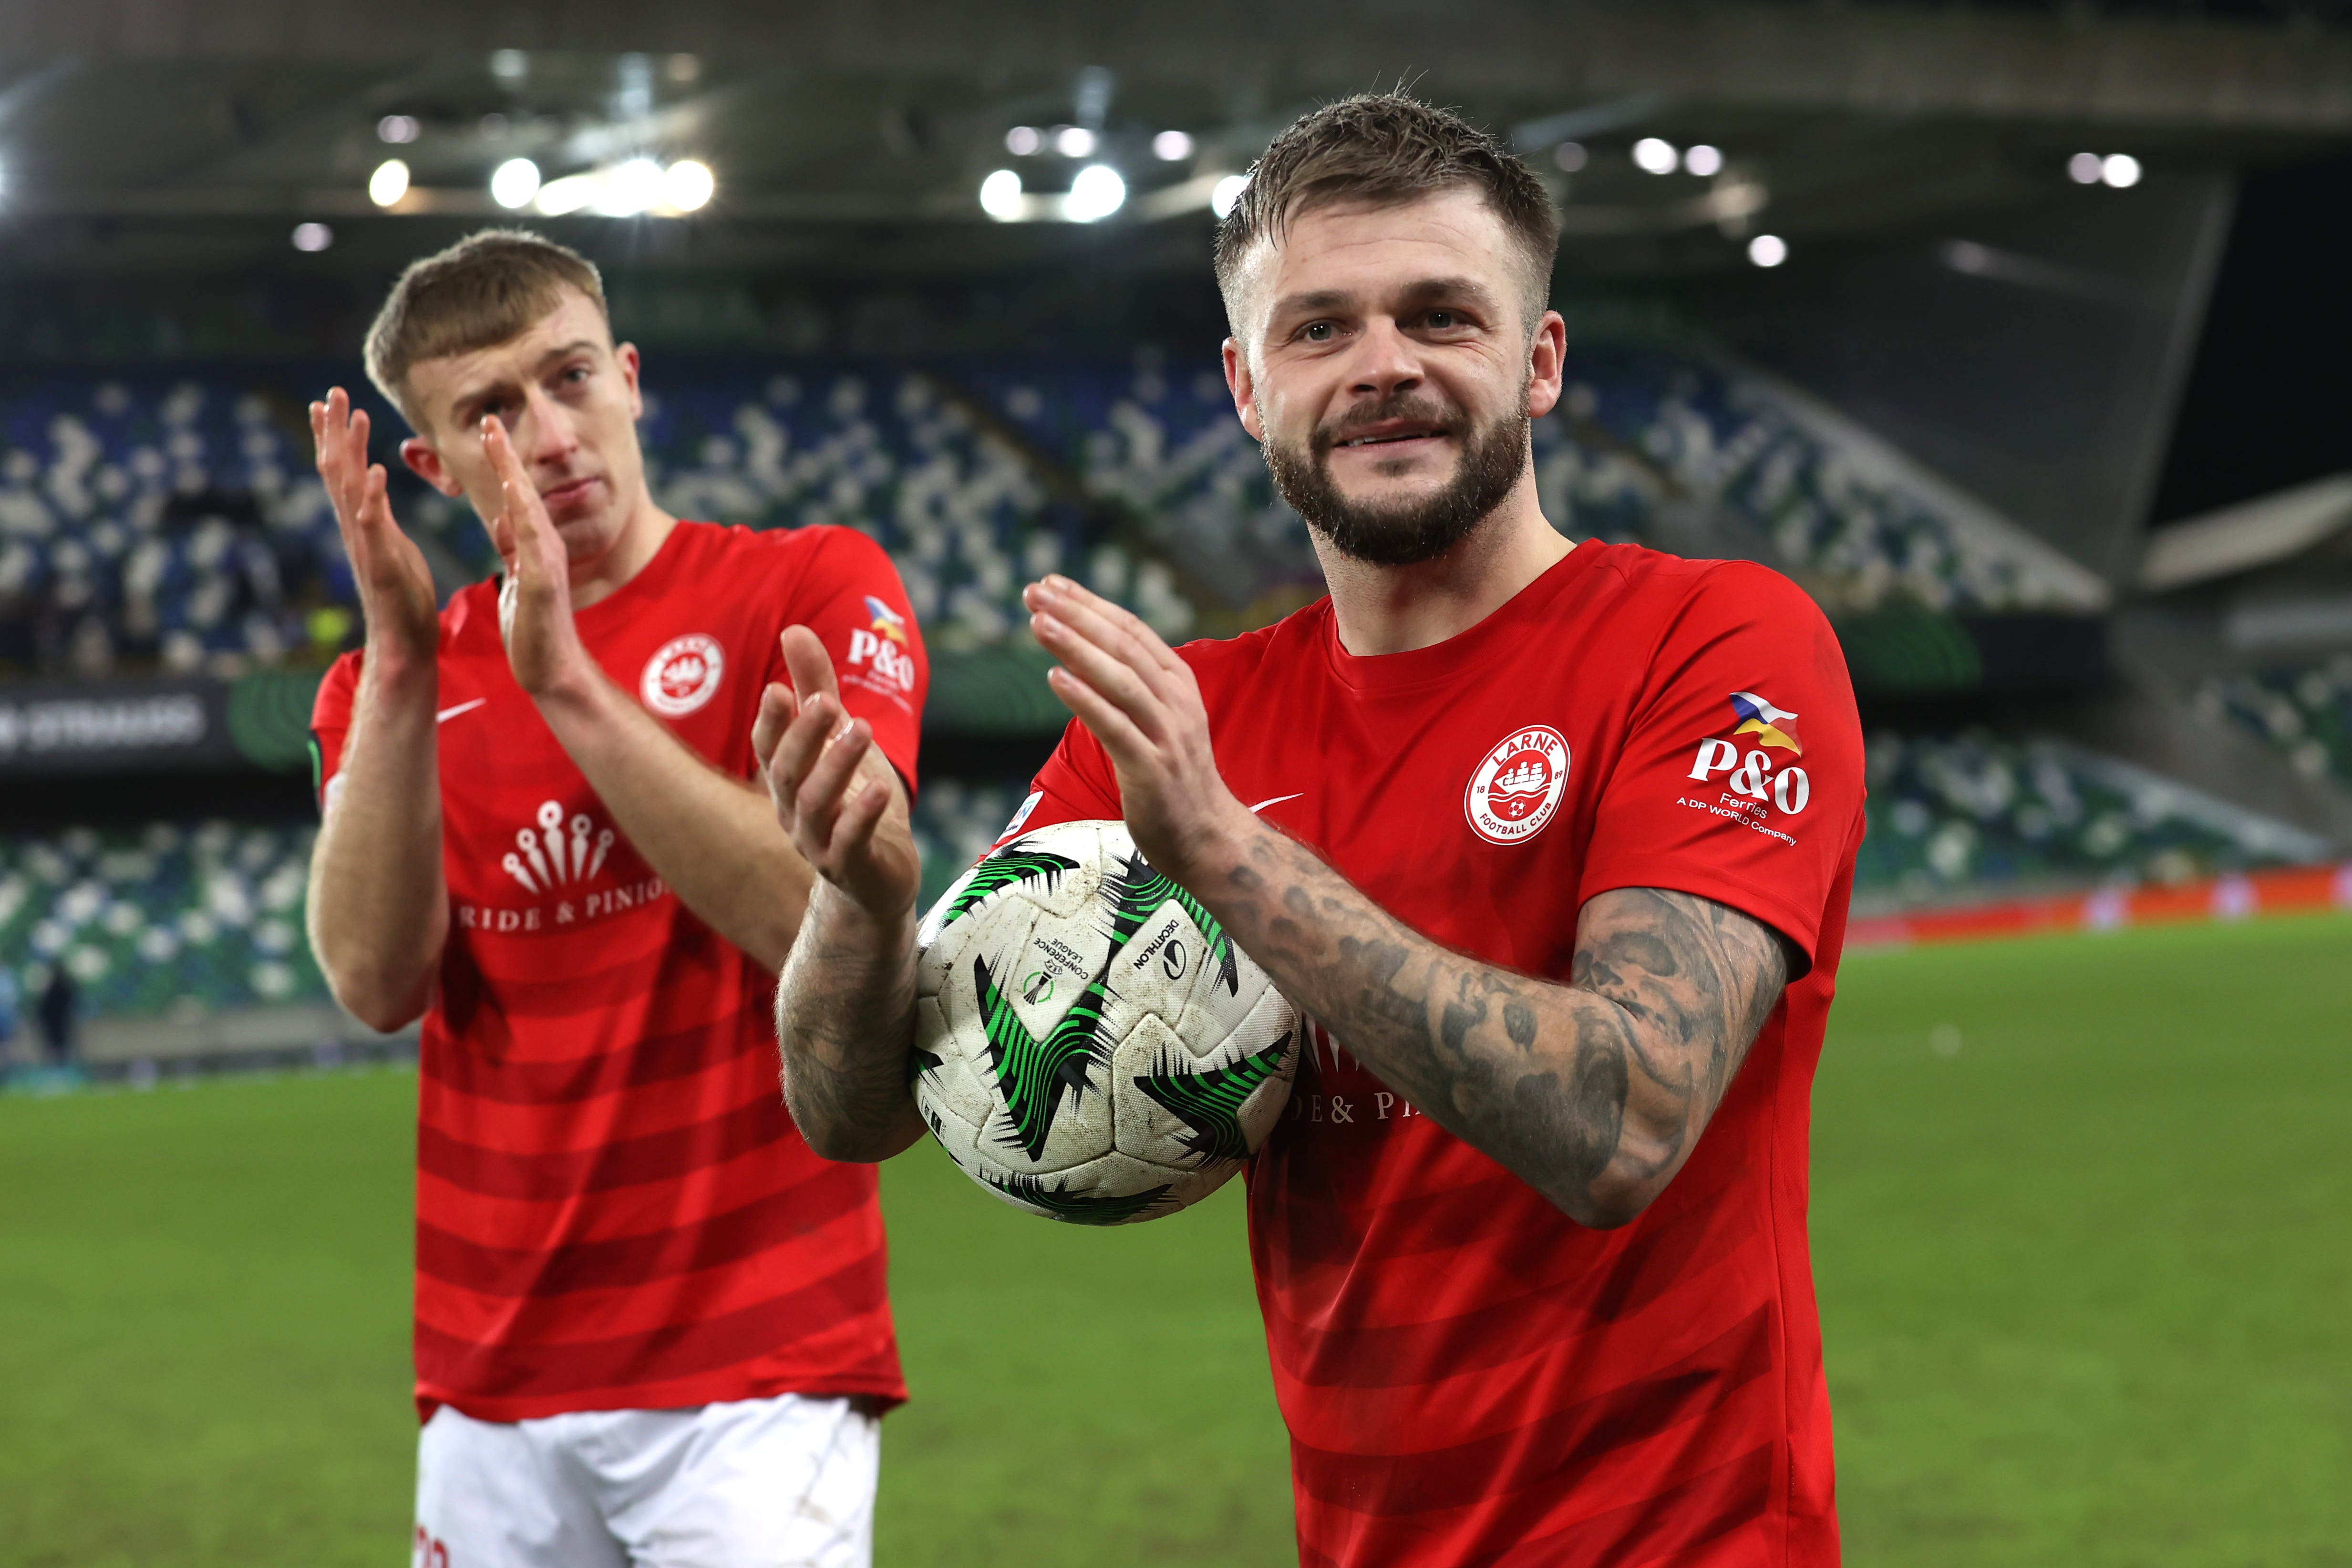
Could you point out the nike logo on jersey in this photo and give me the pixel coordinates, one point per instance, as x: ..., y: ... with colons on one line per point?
x: 448, y: 714
x: 1277, y: 800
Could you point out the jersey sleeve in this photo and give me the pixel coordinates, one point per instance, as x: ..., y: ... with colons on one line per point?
x: 1741, y: 775
x: 850, y: 596
x: 330, y: 721
x: 1076, y: 784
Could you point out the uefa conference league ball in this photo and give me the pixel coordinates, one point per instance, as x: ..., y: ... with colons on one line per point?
x: 1089, y: 1043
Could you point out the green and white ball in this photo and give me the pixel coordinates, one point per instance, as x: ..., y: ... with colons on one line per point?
x: 1089, y: 1043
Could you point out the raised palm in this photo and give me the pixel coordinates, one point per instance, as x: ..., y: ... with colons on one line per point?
x: 395, y: 586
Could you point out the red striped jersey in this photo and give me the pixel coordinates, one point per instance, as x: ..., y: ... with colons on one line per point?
x: 1470, y: 1378
x: 614, y: 1210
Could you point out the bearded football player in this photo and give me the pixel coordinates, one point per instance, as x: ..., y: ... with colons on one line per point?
x: 1553, y: 842
x: 651, y: 1325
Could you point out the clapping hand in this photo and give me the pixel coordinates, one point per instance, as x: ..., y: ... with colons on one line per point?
x: 1142, y: 703
x: 396, y: 587
x: 833, y: 790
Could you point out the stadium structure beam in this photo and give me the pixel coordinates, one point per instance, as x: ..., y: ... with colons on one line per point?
x: 2072, y: 66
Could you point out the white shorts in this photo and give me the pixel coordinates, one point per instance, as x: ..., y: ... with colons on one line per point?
x: 785, y: 1483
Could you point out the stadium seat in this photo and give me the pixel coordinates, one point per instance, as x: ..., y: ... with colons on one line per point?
x: 209, y: 916
x: 1957, y: 816
x: 2305, y: 711
x: 171, y: 520
x: 1639, y: 428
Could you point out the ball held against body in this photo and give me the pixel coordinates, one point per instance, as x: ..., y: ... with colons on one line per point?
x: 1091, y: 1044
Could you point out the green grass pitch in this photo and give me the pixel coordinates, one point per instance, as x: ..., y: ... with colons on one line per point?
x: 2081, y: 1229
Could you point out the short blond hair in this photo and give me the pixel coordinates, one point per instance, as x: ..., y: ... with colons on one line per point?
x: 486, y: 288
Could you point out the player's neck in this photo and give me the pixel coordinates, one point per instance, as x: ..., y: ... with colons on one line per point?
x: 1395, y: 609
x: 640, y: 539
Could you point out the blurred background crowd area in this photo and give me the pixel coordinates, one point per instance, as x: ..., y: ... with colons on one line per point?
x: 2017, y: 365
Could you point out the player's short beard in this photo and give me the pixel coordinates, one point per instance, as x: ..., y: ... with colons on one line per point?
x: 1494, y: 457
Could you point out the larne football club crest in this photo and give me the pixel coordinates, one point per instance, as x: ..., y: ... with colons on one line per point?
x: 1517, y: 785
x: 683, y: 675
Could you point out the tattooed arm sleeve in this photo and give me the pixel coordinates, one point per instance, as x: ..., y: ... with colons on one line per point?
x: 845, y: 1020
x: 1593, y: 1092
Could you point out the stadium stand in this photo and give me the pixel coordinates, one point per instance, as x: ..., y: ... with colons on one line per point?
x: 2306, y: 713
x: 155, y: 918
x: 171, y: 521
x: 965, y: 514
x: 1975, y: 813
x: 209, y: 914
x: 160, y: 519
x: 1640, y: 427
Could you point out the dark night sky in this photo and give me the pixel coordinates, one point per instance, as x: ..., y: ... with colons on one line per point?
x: 2267, y: 403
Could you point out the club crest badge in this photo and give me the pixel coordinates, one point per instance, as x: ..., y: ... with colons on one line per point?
x: 683, y: 675
x: 1518, y: 786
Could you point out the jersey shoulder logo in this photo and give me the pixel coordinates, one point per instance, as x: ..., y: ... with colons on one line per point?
x: 1771, y: 726
x: 888, y: 622
x: 683, y: 675
x: 1519, y: 785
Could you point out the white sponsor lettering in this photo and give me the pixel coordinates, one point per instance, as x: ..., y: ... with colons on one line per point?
x: 885, y: 657
x: 1792, y: 790
x: 499, y: 920
x: 1749, y: 778
x: 1713, y: 757
x: 76, y: 724
x: 1746, y: 814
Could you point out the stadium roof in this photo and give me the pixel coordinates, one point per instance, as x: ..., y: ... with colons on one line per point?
x: 208, y: 127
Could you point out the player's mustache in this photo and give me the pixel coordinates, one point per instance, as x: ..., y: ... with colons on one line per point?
x: 1443, y: 420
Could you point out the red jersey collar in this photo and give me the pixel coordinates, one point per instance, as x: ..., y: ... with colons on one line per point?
x: 1465, y: 651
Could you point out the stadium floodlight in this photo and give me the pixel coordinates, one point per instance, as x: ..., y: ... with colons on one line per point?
x: 567, y: 194
x: 1225, y: 193
x: 1024, y: 140
x: 1073, y: 141
x: 999, y: 196
x: 398, y: 130
x: 1655, y: 155
x: 1095, y: 194
x: 1171, y: 146
x: 313, y: 236
x: 388, y: 183
x: 2084, y: 168
x: 1703, y: 161
x: 633, y: 188
x: 2120, y: 170
x: 1768, y: 251
x: 1570, y: 155
x: 687, y: 184
x: 514, y: 183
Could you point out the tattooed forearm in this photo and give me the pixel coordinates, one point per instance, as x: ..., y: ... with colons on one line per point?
x: 1593, y: 1091
x: 846, y: 1021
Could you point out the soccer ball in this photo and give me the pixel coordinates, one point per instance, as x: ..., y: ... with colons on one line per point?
x: 1089, y: 1043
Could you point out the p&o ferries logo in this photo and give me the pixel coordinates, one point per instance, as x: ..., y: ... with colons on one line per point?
x: 683, y: 675
x: 1518, y: 786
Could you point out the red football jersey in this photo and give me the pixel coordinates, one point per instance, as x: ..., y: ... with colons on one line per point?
x: 614, y: 1210
x: 1469, y: 1377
